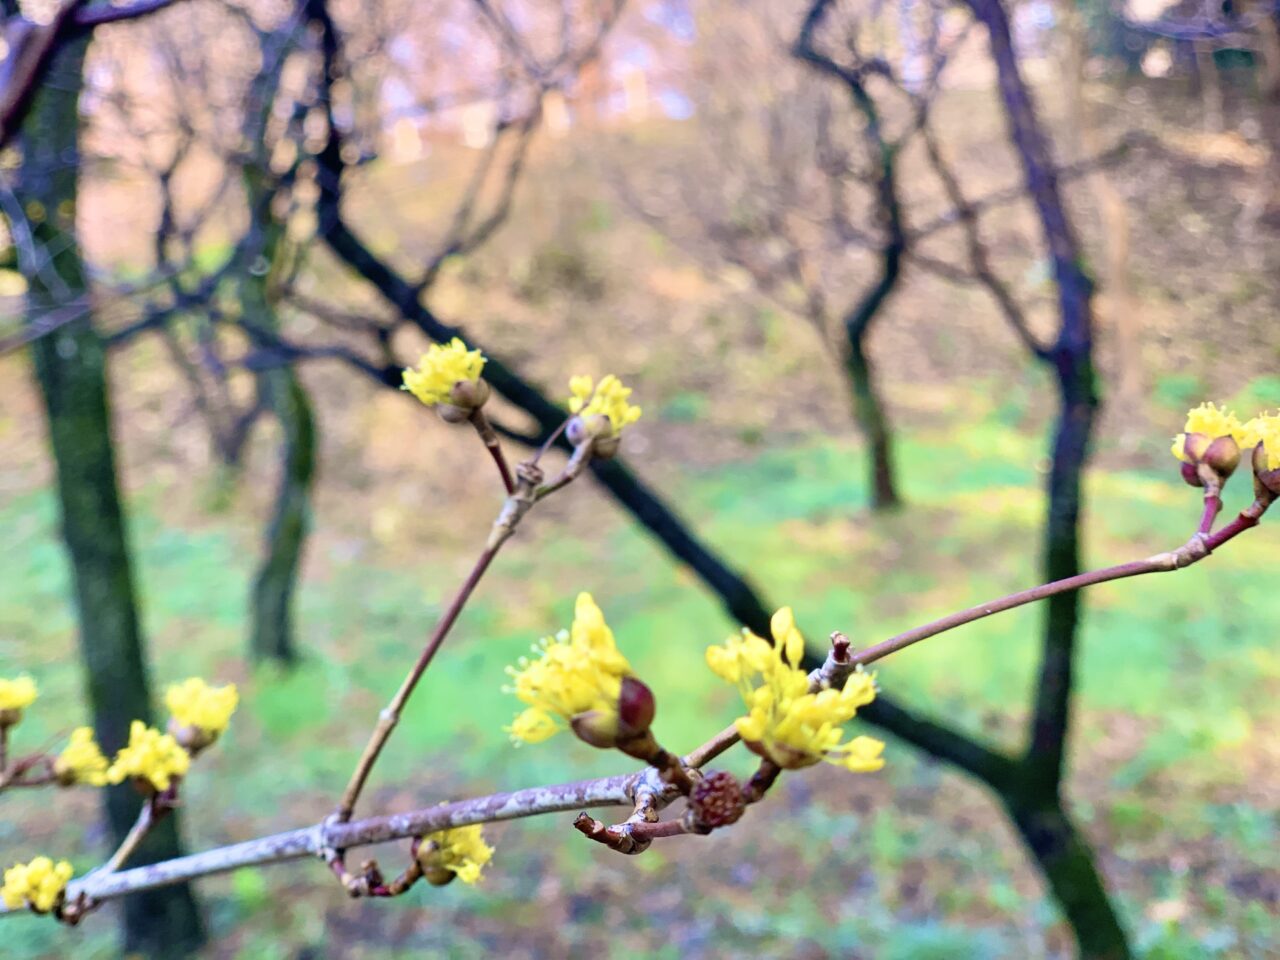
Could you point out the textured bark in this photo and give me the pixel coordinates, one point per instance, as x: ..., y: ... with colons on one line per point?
x: 70, y: 368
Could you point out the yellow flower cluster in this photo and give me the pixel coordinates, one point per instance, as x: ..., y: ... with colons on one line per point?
x: 39, y: 883
x: 81, y: 761
x: 785, y: 722
x: 442, y: 368
x: 577, y: 671
x: 18, y: 693
x: 459, y: 850
x: 607, y: 398
x: 194, y: 703
x: 151, y: 756
x: 1211, y: 421
x: 1264, y: 429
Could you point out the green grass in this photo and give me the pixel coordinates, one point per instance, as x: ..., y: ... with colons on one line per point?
x: 1177, y: 688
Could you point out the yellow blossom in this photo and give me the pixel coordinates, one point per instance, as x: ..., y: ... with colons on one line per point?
x: 579, y: 670
x: 442, y: 368
x: 785, y: 722
x: 1264, y: 429
x: 194, y: 703
x: 151, y: 756
x: 1210, y: 421
x: 39, y: 883
x: 81, y: 761
x: 17, y: 694
x: 607, y: 398
x: 461, y: 851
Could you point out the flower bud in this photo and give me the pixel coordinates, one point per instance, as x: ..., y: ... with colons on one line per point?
x: 636, y: 706
x: 597, y: 427
x: 1266, y: 482
x: 596, y: 727
x: 715, y: 801
x: 10, y: 716
x: 1221, y: 455
x: 191, y: 738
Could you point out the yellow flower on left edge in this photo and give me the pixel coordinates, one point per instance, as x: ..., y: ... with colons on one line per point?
x: 151, y: 756
x: 785, y: 722
x: 441, y: 369
x: 460, y: 851
x: 579, y: 671
x: 38, y: 883
x: 15, y: 696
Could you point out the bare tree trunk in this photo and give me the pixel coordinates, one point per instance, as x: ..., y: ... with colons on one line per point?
x: 1034, y: 798
x: 70, y: 366
x: 873, y: 421
x: 271, y: 635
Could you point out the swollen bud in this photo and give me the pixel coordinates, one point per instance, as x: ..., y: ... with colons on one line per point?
x: 597, y: 427
x: 627, y: 723
x: 465, y: 397
x: 1207, y: 460
x: 190, y: 738
x: 1266, y: 482
x: 715, y: 801
x: 636, y: 707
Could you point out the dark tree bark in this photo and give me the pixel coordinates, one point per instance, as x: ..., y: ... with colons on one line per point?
x: 1035, y: 798
x: 868, y: 405
x: 271, y: 635
x: 70, y: 368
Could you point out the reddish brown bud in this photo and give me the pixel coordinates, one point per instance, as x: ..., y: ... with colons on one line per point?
x: 715, y: 801
x: 1223, y: 456
x: 636, y: 706
x: 1190, y: 475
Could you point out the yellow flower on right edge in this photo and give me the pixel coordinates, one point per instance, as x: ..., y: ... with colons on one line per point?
x: 1264, y: 429
x: 785, y: 722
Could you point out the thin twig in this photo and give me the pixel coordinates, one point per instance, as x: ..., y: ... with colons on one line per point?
x: 489, y: 437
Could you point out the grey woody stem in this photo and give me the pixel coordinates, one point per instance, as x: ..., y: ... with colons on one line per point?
x: 322, y: 838
x: 513, y: 509
x: 313, y: 841
x: 147, y: 818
